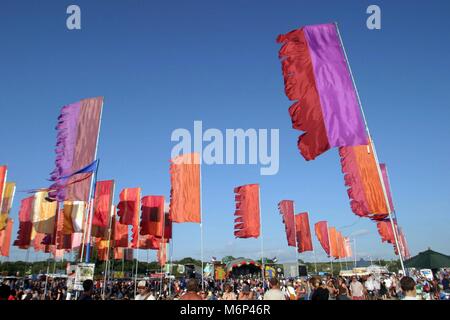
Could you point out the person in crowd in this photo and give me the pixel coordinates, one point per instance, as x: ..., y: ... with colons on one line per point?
x: 88, y: 289
x: 408, y: 287
x: 343, y: 293
x: 144, y: 292
x: 246, y: 293
x: 191, y: 291
x: 228, y: 294
x: 356, y: 289
x: 274, y: 293
x: 319, y: 290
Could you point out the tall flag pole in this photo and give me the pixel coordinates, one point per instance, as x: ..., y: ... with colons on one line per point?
x: 386, y: 199
x: 262, y: 238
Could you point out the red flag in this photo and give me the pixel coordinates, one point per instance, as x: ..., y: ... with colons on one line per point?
x: 185, y: 188
x: 102, y: 203
x: 322, y: 235
x: 167, y: 226
x: 385, y: 231
x: 5, y: 238
x: 37, y: 242
x: 25, y: 225
x: 128, y: 207
x: 128, y: 211
x: 247, y: 221
x: 152, y: 219
x: 286, y: 208
x: 304, y: 241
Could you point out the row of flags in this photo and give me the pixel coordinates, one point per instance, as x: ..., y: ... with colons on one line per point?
x: 76, y: 209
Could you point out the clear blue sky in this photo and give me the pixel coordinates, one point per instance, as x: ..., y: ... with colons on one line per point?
x: 163, y: 64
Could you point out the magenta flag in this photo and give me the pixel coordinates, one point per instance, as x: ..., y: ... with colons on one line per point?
x: 77, y: 133
x: 318, y: 79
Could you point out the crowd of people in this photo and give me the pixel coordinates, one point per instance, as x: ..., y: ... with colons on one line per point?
x: 372, y: 287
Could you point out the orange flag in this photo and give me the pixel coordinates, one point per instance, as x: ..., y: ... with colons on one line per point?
x: 102, y: 203
x: 185, y: 188
x: 162, y: 253
x: 334, y: 249
x: 5, y: 238
x: 362, y: 177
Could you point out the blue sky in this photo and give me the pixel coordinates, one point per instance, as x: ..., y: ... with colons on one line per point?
x: 163, y: 64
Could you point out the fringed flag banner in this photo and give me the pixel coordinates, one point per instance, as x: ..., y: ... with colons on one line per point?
x: 341, y: 245
x: 247, y: 214
x: 185, y: 188
x: 404, y: 245
x: 128, y: 207
x: 44, y: 213
x: 24, y: 234
x: 321, y: 230
x: 387, y: 185
x: 363, y: 181
x: 3, y: 174
x: 37, y: 242
x: 347, y: 247
x: 386, y: 232
x: 286, y: 208
x: 334, y: 245
x: 73, y: 218
x: 162, y: 254
x: 152, y: 216
x: 304, y: 241
x: 318, y: 80
x: 77, y: 135
x: 5, y: 238
x: 8, y: 197
x: 128, y: 211
x: 103, y: 198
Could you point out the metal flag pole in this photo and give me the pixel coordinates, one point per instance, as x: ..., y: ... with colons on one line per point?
x: 137, y: 250
x: 109, y: 245
x: 373, y: 148
x: 262, y: 238
x: 92, y: 190
x: 165, y: 248
x: 296, y: 242
x: 46, y: 275
x: 201, y: 226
